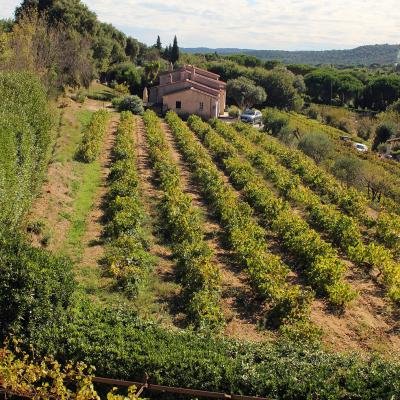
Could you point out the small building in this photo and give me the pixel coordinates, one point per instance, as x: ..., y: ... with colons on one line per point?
x: 190, y: 90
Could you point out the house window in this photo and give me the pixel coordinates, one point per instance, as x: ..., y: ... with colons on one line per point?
x: 178, y: 104
x: 201, y: 105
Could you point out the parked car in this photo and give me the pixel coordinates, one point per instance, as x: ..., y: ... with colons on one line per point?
x: 360, y: 147
x: 251, y: 116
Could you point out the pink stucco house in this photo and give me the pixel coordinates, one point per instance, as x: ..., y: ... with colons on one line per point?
x: 190, y: 90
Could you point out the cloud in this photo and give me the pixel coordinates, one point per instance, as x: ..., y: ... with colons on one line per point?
x: 260, y: 24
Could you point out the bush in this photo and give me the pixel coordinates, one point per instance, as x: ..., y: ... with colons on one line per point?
x: 122, y: 346
x: 347, y: 169
x: 79, y: 97
x: 134, y: 104
x: 92, y: 139
x: 36, y: 289
x: 383, y: 133
x: 317, y: 146
x: 122, y: 88
x: 234, y: 111
x: 127, y: 256
x: 365, y: 128
x: 116, y: 101
x: 313, y: 112
x: 25, y: 142
x: 274, y: 120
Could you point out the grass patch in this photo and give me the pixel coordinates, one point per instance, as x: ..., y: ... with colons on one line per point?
x: 71, y: 133
x: 84, y: 188
x: 100, y: 92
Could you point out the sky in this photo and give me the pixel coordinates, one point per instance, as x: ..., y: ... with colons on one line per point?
x: 255, y: 24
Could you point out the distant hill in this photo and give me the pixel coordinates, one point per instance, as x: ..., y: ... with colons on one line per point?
x: 382, y: 54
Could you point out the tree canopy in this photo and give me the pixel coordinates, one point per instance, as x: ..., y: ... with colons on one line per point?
x: 245, y: 93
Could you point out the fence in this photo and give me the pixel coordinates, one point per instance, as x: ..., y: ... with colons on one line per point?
x: 145, y: 386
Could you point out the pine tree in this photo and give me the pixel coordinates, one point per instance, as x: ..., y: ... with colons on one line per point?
x: 158, y: 43
x: 174, y: 55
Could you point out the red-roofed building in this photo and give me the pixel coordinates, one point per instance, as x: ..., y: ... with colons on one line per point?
x: 190, y: 90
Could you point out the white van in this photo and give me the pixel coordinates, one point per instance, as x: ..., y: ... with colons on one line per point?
x: 360, y: 147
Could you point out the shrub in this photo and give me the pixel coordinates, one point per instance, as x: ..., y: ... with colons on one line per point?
x: 383, y: 132
x: 35, y: 291
x: 199, y: 276
x: 313, y: 112
x: 234, y: 111
x: 116, y: 101
x: 134, y: 104
x: 365, y: 127
x: 127, y: 256
x: 317, y: 146
x: 267, y: 272
x: 122, y: 88
x: 347, y: 169
x: 92, y: 139
x: 25, y: 141
x: 79, y: 97
x: 274, y: 120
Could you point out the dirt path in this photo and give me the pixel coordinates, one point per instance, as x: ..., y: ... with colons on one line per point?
x: 368, y: 323
x: 239, y: 309
x: 165, y: 289
x: 55, y: 194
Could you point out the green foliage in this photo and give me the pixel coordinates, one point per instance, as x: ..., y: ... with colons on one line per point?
x: 274, y: 120
x: 125, y: 73
x: 36, y: 289
x: 92, y: 139
x: 41, y: 378
x: 347, y: 169
x: 383, y: 133
x: 25, y: 141
x: 381, y: 92
x: 134, y: 104
x: 174, y: 54
x: 79, y: 97
x: 127, y: 256
x: 233, y: 112
x: 309, y: 250
x: 122, y: 346
x: 200, y: 278
x: 340, y: 228
x: 245, y: 93
x: 395, y: 106
x: 326, y: 84
x: 311, y: 174
x: 282, y: 88
x: 316, y: 145
x: 388, y: 230
x: 267, y: 273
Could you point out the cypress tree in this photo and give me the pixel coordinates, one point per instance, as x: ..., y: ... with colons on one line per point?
x: 174, y: 56
x: 158, y: 43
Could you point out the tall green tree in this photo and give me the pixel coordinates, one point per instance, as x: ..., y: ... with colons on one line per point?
x: 174, y: 56
x: 158, y: 44
x: 132, y: 48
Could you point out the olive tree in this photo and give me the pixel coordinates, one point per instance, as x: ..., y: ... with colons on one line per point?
x: 245, y: 93
x: 317, y: 146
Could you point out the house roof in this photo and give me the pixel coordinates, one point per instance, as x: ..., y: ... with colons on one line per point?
x: 192, y: 89
x: 196, y: 84
x: 200, y: 71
